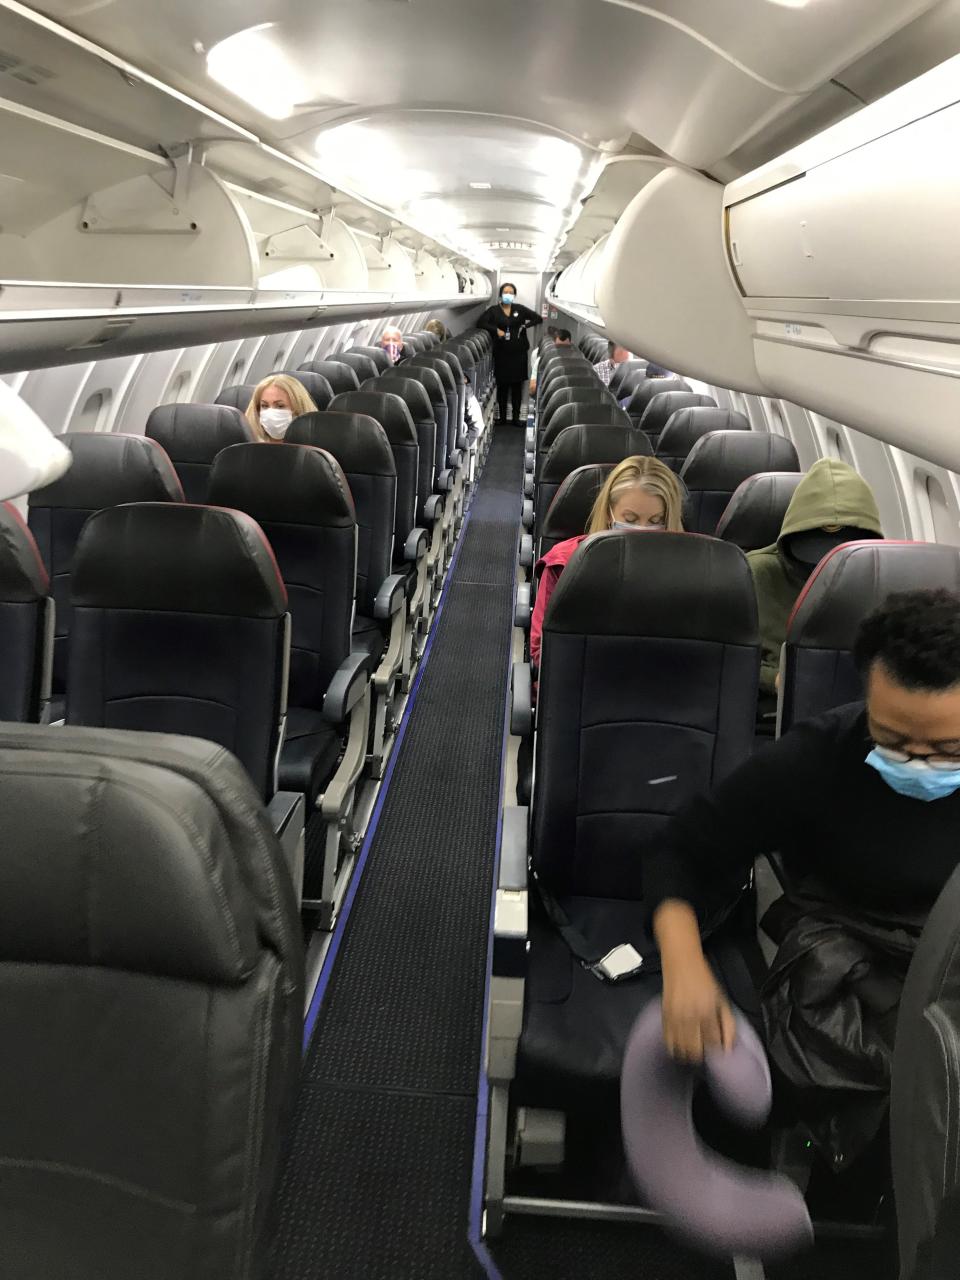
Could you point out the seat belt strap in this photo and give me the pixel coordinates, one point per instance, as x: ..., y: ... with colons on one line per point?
x: 621, y: 962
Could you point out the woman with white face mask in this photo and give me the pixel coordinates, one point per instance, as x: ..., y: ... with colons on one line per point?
x: 640, y: 494
x: 274, y: 404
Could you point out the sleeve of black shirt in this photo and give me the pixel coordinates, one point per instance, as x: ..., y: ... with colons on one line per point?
x: 715, y: 838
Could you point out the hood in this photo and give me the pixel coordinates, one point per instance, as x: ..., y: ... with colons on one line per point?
x: 831, y: 493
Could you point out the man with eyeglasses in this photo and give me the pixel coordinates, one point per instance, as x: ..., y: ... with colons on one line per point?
x: 865, y: 800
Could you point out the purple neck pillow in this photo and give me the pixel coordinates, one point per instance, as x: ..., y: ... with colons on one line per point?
x: 712, y: 1203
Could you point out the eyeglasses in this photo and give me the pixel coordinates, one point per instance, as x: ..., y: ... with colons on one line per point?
x: 896, y: 756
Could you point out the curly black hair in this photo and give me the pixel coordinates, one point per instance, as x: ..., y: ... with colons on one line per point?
x: 916, y: 635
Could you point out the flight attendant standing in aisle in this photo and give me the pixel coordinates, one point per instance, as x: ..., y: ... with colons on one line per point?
x: 508, y: 322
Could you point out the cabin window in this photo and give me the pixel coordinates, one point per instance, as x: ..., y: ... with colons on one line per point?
x: 93, y: 415
x: 943, y: 511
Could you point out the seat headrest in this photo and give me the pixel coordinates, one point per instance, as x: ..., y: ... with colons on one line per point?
x: 651, y: 387
x: 579, y: 414
x: 154, y: 858
x: 297, y: 484
x: 438, y: 365
x: 429, y: 379
x: 197, y: 432
x: 376, y: 354
x: 675, y: 585
x: 362, y: 365
x: 23, y: 577
x: 358, y: 442
x: 724, y: 459
x: 685, y: 426
x: 453, y: 362
x: 464, y: 353
x: 178, y: 558
x: 413, y: 393
x: 317, y: 387
x: 577, y: 446
x: 754, y: 514
x: 856, y: 578
x: 661, y: 408
x: 340, y: 375
x: 238, y: 396
x: 570, y: 509
x: 109, y: 468
x: 384, y: 407
x: 624, y: 370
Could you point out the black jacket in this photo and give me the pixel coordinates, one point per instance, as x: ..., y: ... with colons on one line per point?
x: 510, y: 353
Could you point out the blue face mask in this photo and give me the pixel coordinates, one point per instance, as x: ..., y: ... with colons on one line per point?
x: 915, y: 779
x: 507, y: 299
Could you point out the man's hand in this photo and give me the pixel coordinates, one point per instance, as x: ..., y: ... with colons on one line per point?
x: 501, y: 333
x: 696, y: 1015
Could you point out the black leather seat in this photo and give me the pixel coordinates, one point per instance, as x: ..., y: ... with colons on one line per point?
x: 754, y: 515
x: 193, y: 435
x: 317, y: 387
x: 577, y: 446
x: 180, y: 625
x: 572, y: 504
x: 151, y: 959
x: 363, y: 366
x: 561, y: 395
x: 720, y: 462
x: 429, y: 340
x: 645, y: 391
x: 659, y: 637
x: 238, y: 396
x: 414, y: 517
x: 26, y: 621
x: 460, y: 382
x: 468, y: 362
x: 376, y: 354
x: 630, y: 381
x: 923, y: 1115
x: 577, y: 413
x: 661, y: 409
x: 380, y: 626
x: 429, y: 380
x: 107, y: 469
x: 686, y: 426
x: 300, y: 498
x: 414, y: 343
x: 623, y: 371
x: 817, y: 669
x: 341, y: 375
x: 444, y: 372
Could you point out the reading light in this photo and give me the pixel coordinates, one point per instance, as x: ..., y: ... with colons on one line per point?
x: 252, y: 66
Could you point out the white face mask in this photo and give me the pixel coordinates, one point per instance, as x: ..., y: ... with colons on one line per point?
x: 622, y: 527
x: 275, y: 422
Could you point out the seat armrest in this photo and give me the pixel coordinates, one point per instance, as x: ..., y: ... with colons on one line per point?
x: 347, y: 686
x: 513, y: 848
x: 416, y: 545
x: 433, y: 507
x: 526, y: 551
x: 530, y: 438
x: 521, y: 612
x: 445, y: 481
x: 527, y: 515
x: 528, y: 485
x: 390, y: 597
x: 530, y: 461
x: 521, y: 700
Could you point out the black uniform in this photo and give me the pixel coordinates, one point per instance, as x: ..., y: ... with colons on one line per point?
x: 510, y: 354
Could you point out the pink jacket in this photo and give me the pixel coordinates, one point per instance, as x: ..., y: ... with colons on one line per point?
x: 547, y: 575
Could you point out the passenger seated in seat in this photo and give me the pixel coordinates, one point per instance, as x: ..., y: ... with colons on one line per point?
x: 606, y: 368
x: 561, y: 338
x: 863, y: 805
x: 640, y: 493
x: 438, y: 329
x: 392, y: 342
x: 274, y: 404
x: 832, y: 505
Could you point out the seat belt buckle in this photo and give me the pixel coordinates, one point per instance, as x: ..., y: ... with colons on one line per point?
x: 622, y: 962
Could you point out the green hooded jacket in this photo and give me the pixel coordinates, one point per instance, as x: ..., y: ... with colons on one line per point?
x: 831, y: 493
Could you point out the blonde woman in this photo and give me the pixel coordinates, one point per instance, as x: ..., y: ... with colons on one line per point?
x: 438, y: 329
x: 639, y: 493
x: 274, y: 404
